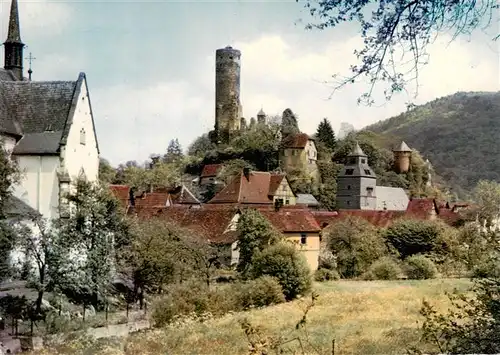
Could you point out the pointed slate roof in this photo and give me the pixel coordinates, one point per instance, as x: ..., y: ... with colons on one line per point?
x: 14, y: 33
x: 403, y: 147
x: 261, y: 112
x: 357, y: 151
x: 41, y: 112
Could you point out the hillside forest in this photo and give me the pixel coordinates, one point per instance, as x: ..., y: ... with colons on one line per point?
x: 457, y: 133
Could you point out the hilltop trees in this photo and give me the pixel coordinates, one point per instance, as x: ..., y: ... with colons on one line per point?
x: 174, y: 152
x: 396, y: 35
x: 325, y: 136
x: 289, y: 123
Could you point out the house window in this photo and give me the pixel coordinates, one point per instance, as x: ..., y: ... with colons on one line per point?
x: 369, y: 190
x: 348, y: 203
x: 348, y: 187
x: 293, y: 152
x: 349, y: 171
x: 367, y: 172
x: 82, y: 136
x: 363, y: 161
x: 303, y: 239
x: 287, y: 202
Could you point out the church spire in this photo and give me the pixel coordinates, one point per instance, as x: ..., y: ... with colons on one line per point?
x: 13, y: 45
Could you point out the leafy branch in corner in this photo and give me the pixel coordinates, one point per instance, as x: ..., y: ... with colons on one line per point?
x: 397, y: 28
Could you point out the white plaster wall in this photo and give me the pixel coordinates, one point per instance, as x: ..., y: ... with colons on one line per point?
x: 311, y: 151
x: 39, y: 185
x: 235, y: 253
x: 74, y: 155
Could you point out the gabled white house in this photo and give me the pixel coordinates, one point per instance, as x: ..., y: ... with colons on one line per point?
x: 48, y: 128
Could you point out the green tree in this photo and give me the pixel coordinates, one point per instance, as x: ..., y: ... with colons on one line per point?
x: 46, y: 250
x: 9, y: 176
x: 286, y: 264
x: 326, y: 135
x: 401, y: 28
x: 201, y: 146
x: 95, y: 226
x: 327, y: 192
x: 289, y: 123
x: 487, y: 196
x: 174, y: 152
x: 255, y: 233
x: 410, y: 237
x: 231, y: 169
x: 355, y: 243
x: 107, y: 173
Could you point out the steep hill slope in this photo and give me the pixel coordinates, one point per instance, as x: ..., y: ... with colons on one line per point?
x: 459, y: 134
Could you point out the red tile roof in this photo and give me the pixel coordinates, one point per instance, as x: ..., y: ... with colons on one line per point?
x: 381, y: 219
x: 152, y: 199
x: 421, y: 208
x: 209, y: 224
x: 292, y: 220
x: 253, y: 189
x: 210, y: 170
x: 121, y: 193
x: 296, y: 141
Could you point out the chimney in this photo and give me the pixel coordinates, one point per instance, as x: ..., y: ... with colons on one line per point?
x: 131, y: 196
x: 246, y: 172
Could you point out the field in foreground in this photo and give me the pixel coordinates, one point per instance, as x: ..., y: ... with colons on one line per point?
x: 364, y: 317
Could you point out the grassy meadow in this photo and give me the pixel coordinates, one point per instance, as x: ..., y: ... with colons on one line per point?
x: 364, y: 317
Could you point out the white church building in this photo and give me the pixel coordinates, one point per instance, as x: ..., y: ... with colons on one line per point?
x: 47, y: 127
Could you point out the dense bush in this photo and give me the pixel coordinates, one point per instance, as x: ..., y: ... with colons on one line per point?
x: 263, y: 291
x: 323, y: 274
x: 355, y: 244
x: 385, y: 268
x: 488, y: 268
x: 287, y: 264
x: 418, y: 267
x: 196, y: 298
x: 410, y: 237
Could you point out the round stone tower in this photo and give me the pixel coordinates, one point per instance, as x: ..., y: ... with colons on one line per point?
x: 227, y: 93
x: 402, y: 156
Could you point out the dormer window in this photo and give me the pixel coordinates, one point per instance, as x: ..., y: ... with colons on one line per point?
x: 367, y: 172
x: 82, y: 136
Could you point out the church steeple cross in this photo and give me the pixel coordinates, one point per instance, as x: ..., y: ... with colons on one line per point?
x: 30, y: 60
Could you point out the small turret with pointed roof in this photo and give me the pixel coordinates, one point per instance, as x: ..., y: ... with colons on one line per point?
x: 402, y: 156
x: 356, y: 183
x: 13, y: 45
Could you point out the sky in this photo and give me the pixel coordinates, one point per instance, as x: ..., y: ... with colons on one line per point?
x: 150, y: 65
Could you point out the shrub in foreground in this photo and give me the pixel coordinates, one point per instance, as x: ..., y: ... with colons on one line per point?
x: 193, y: 298
x: 288, y: 265
x: 323, y: 274
x: 384, y: 268
x: 418, y: 267
x: 261, y: 292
